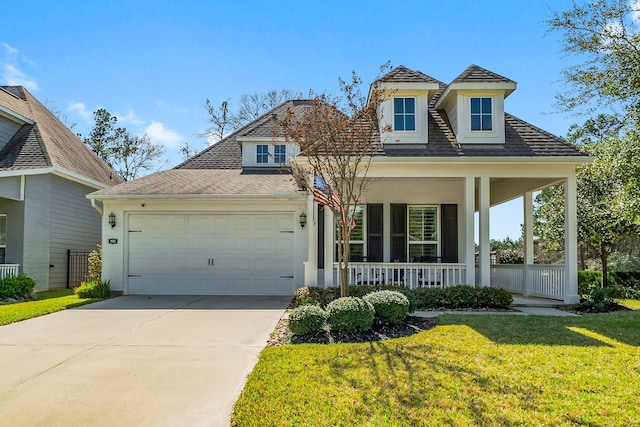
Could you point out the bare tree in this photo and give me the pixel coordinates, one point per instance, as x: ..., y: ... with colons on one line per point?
x: 337, y: 136
x: 64, y: 118
x: 221, y: 120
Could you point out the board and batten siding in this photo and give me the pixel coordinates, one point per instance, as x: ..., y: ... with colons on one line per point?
x: 8, y: 128
x: 73, y: 224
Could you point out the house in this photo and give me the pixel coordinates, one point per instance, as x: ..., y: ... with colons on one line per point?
x: 228, y: 221
x: 45, y: 174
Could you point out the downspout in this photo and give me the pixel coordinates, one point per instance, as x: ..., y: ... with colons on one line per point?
x: 96, y: 207
x: 23, y: 181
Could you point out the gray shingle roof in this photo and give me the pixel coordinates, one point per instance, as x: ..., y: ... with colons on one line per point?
x: 47, y: 142
x: 402, y: 74
x: 476, y: 74
x: 203, y: 182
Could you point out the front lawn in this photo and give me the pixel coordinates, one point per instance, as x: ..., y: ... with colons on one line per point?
x: 47, y: 302
x: 469, y: 370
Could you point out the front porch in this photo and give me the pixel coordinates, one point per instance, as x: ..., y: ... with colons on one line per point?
x: 9, y: 270
x: 545, y: 281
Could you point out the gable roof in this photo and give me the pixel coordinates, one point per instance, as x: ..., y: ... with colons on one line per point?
x: 475, y: 74
x: 46, y: 142
x: 402, y: 74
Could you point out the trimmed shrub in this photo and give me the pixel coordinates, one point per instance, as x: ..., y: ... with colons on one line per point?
x: 307, y: 319
x: 429, y: 298
x: 463, y: 296
x: 350, y: 314
x: 390, y: 306
x: 17, y: 287
x: 93, y: 289
x: 494, y: 298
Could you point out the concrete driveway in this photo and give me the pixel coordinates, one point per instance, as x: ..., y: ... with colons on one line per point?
x: 134, y: 361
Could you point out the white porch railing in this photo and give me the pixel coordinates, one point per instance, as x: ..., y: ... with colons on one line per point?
x: 411, y: 275
x: 546, y: 281
x: 9, y: 270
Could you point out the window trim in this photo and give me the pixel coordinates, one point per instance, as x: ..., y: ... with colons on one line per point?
x: 425, y: 242
x: 261, y: 155
x: 362, y: 242
x: 404, y: 114
x: 4, y: 245
x: 279, y: 157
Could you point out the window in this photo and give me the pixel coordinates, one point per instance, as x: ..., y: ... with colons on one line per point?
x: 280, y: 154
x: 356, y: 239
x: 422, y: 233
x: 262, y: 152
x: 404, y: 113
x: 3, y: 237
x: 481, y: 118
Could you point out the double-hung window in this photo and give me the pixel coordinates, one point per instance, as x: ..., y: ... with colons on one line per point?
x: 404, y: 114
x: 262, y: 154
x: 280, y: 154
x: 422, y: 233
x: 3, y: 237
x: 481, y: 116
x: 357, y: 236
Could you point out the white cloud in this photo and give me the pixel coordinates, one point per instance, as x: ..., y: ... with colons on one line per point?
x: 81, y: 110
x: 130, y: 118
x: 10, y: 49
x: 161, y: 135
x: 13, y: 76
x: 634, y: 5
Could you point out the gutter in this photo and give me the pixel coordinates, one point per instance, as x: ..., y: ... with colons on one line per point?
x: 95, y: 206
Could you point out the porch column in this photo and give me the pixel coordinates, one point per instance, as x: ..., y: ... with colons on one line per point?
x: 528, y: 240
x: 311, y: 266
x: 329, y: 247
x: 570, y: 241
x: 469, y: 227
x: 485, y: 256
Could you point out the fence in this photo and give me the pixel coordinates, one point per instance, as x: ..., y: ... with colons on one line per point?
x: 77, y: 268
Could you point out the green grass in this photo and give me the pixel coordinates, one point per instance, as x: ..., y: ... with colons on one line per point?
x: 631, y: 304
x: 47, y: 302
x: 469, y: 370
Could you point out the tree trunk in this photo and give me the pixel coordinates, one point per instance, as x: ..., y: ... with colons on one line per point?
x: 603, y: 258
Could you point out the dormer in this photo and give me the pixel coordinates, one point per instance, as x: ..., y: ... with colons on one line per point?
x: 403, y: 112
x: 266, y: 153
x: 10, y: 123
x: 474, y: 103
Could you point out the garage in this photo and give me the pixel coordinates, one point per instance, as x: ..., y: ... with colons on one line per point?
x: 242, y: 253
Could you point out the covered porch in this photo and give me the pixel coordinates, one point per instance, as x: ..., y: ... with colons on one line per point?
x: 440, y: 252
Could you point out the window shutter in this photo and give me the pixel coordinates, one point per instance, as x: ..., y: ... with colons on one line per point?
x: 374, y: 232
x: 399, y: 233
x: 449, y: 229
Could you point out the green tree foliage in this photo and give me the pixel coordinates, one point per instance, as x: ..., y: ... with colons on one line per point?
x: 128, y: 155
x: 607, y: 194
x: 604, y: 36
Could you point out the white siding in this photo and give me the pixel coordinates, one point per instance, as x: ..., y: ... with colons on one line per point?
x: 74, y: 225
x: 8, y: 128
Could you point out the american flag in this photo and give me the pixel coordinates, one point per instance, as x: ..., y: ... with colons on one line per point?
x: 324, y: 195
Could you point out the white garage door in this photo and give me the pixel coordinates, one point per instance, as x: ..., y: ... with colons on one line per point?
x: 221, y: 254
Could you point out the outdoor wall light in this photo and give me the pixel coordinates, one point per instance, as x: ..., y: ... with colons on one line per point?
x: 112, y: 219
x: 303, y: 219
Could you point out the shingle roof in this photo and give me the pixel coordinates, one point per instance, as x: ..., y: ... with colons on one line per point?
x: 47, y: 142
x: 227, y: 154
x: 476, y: 74
x: 402, y: 74
x: 199, y: 182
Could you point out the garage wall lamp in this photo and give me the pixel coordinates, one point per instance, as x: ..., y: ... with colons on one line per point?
x: 112, y: 219
x: 303, y: 219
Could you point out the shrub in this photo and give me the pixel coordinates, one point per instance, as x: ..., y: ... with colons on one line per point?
x: 93, y: 289
x: 429, y: 297
x: 390, y: 306
x: 598, y: 301
x: 463, y: 297
x: 494, y: 298
x: 307, y: 319
x: 95, y: 264
x: 350, y: 314
x: 17, y: 287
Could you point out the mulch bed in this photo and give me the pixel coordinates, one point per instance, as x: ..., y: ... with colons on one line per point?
x: 412, y: 325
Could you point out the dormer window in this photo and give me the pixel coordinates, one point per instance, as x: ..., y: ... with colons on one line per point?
x: 481, y: 114
x: 404, y: 114
x: 280, y: 154
x: 262, y: 154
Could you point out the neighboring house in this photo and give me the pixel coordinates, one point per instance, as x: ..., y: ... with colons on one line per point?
x: 228, y: 221
x: 45, y: 174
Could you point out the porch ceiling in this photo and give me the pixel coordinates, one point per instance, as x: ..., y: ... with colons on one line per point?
x: 505, y: 189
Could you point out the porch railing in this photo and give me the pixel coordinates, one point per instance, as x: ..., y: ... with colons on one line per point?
x: 9, y: 270
x: 545, y: 281
x: 411, y: 275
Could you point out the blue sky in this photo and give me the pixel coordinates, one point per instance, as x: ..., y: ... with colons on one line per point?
x: 153, y: 63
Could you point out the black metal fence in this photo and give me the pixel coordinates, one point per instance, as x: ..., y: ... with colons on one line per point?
x: 77, y: 268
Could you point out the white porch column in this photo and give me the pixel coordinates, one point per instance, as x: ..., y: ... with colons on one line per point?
x: 469, y: 227
x: 485, y: 256
x: 329, y: 247
x: 570, y: 241
x: 528, y: 239
x: 311, y: 266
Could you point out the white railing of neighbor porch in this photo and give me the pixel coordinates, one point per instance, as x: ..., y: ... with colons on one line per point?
x: 9, y: 270
x: 545, y: 281
x: 411, y: 275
